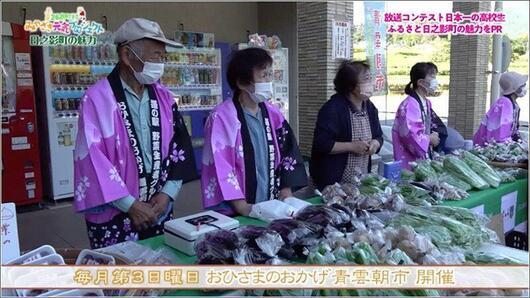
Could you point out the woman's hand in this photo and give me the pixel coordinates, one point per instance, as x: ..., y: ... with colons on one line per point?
x: 434, y: 139
x: 360, y: 147
x: 241, y: 207
x: 374, y: 146
x: 285, y: 193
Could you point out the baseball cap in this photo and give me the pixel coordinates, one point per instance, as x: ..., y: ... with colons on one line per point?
x: 138, y: 28
x: 511, y: 81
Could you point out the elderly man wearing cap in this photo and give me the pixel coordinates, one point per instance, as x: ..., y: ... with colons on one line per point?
x: 133, y: 150
x: 501, y: 122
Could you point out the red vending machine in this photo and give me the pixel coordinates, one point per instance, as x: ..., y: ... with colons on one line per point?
x: 21, y: 169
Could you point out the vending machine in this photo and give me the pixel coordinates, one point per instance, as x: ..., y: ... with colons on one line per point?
x: 280, y: 83
x: 67, y: 71
x: 193, y: 75
x: 21, y: 168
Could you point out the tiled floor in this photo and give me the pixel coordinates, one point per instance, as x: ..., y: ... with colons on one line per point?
x: 58, y: 225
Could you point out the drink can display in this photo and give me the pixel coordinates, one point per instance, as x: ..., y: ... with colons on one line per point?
x: 81, y: 53
x: 71, y: 104
x: 73, y: 50
x: 88, y: 53
x: 58, y: 104
x: 66, y: 104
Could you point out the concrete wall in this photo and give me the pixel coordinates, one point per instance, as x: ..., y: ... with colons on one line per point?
x: 468, y: 84
x: 229, y: 21
x: 316, y: 67
x: 279, y: 18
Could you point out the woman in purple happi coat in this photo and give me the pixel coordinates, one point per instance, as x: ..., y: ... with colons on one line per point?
x: 250, y: 153
x: 132, y: 151
x: 417, y: 130
x: 501, y: 122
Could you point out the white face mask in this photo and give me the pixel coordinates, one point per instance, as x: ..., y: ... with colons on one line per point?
x: 433, y: 86
x: 523, y: 91
x: 367, y: 89
x: 150, y: 74
x: 262, y: 92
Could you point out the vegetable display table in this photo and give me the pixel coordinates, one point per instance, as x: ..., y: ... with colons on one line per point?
x: 490, y: 199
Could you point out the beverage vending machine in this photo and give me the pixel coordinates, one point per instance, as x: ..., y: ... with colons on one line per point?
x: 67, y: 72
x: 21, y: 168
x: 193, y: 75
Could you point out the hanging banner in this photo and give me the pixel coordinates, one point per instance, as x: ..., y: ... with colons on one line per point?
x: 341, y: 40
x: 375, y: 34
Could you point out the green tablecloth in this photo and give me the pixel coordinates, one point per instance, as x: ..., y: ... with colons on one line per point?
x: 490, y: 198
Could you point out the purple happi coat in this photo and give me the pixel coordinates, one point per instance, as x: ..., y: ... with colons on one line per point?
x: 410, y: 137
x: 105, y: 167
x: 500, y: 124
x: 228, y: 166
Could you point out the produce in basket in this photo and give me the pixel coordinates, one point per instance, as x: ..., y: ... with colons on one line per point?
x: 461, y: 170
x: 482, y: 168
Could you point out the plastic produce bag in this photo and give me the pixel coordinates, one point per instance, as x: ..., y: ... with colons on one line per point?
x: 461, y: 170
x: 423, y: 170
x: 271, y: 210
x: 257, y: 244
x: 398, y: 257
x: 296, y: 236
x: 335, y: 215
x: 216, y: 247
x: 482, y: 168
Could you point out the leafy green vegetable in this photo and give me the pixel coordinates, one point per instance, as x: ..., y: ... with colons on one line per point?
x: 407, y: 175
x: 375, y: 181
x: 416, y: 196
x: 440, y: 236
x: 462, y: 235
x: 461, y: 170
x: 369, y: 190
x: 398, y: 257
x: 458, y: 183
x: 437, y: 166
x: 423, y: 170
x: 482, y: 168
x: 363, y: 254
x: 483, y: 258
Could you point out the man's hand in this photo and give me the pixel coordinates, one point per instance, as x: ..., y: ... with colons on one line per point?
x: 374, y: 146
x: 360, y: 147
x: 159, y: 203
x: 434, y: 139
x: 142, y: 215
